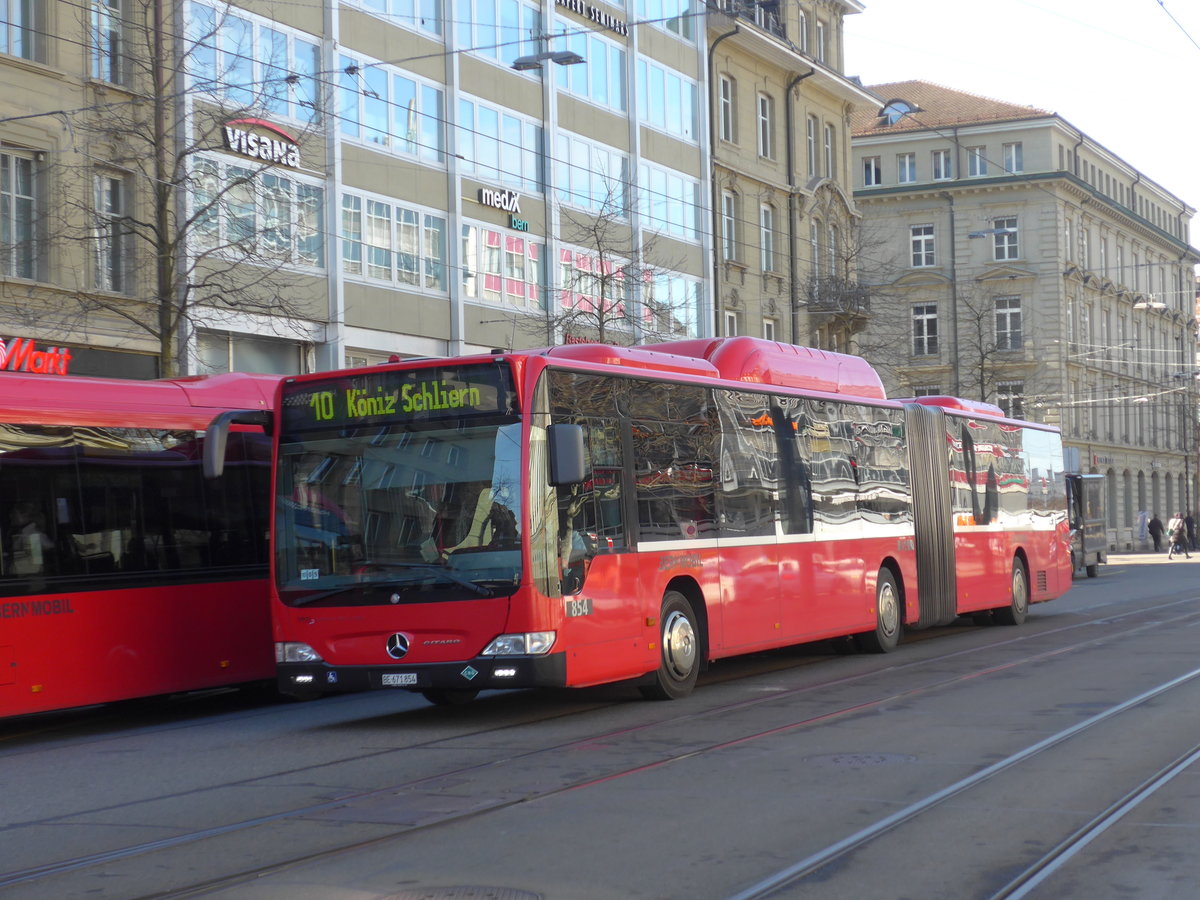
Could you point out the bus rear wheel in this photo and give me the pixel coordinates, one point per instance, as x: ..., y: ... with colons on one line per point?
x: 889, y: 617
x: 1018, y: 607
x: 679, y: 664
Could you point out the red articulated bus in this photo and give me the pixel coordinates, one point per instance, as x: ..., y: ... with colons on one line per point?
x: 588, y: 514
x: 123, y: 571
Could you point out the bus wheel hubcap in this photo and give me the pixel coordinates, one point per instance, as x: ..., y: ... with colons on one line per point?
x: 889, y: 610
x: 679, y: 645
x: 1020, y: 594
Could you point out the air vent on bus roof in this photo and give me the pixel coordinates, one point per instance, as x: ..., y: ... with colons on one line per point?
x: 787, y: 365
x: 948, y: 402
x: 634, y: 358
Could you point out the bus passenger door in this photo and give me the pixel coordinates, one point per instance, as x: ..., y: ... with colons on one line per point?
x: 820, y: 551
x: 747, y: 500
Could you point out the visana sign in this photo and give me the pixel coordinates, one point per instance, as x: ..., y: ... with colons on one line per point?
x: 285, y: 152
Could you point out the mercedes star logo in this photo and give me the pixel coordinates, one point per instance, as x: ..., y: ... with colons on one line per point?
x: 397, y: 646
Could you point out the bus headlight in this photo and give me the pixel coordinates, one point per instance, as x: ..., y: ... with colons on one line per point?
x: 534, y: 643
x: 287, y: 651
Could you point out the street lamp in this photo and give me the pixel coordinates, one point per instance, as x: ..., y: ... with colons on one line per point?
x: 525, y: 64
x: 535, y: 60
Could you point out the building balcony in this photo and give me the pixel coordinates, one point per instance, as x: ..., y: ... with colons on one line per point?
x: 765, y: 15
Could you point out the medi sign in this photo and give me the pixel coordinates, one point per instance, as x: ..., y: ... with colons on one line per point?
x: 21, y: 355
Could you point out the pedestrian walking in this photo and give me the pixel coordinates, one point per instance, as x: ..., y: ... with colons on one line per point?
x: 1178, y: 537
x: 1156, y: 532
x: 1190, y: 522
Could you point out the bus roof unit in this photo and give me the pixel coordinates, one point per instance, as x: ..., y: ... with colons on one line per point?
x: 787, y: 365
x: 970, y: 406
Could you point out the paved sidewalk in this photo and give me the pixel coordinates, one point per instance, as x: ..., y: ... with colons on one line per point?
x: 1149, y: 557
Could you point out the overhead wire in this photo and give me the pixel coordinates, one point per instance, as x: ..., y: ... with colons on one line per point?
x: 322, y: 77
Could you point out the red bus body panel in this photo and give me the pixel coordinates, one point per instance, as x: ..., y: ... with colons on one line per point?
x: 780, y: 591
x: 82, y: 647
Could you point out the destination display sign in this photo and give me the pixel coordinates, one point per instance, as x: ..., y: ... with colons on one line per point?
x: 388, y: 394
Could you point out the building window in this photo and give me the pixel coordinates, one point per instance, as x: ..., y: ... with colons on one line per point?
x: 1008, y: 323
x: 671, y: 305
x: 906, y: 167
x: 109, y: 237
x: 1010, y: 397
x: 766, y: 236
x: 1005, y: 243
x: 941, y: 165
x: 811, y: 138
x: 729, y: 220
x: 924, y: 329
x: 830, y: 153
x: 395, y: 244
x: 602, y: 79
x: 835, y: 251
x: 927, y: 390
x: 18, y: 32
x: 591, y: 176
x: 224, y: 352
x: 731, y: 324
x: 802, y: 30
x: 670, y: 201
x: 17, y: 233
x: 667, y: 98
x: 423, y: 15
x: 501, y: 267
x: 248, y: 62
x: 498, y: 30
x: 595, y: 287
x: 497, y: 146
x: 258, y: 213
x: 728, y: 109
x: 669, y: 15
x: 384, y: 108
x: 770, y: 327
x: 766, y: 126
x: 814, y: 247
x: 922, y: 246
x: 1014, y: 158
x: 106, y: 40
x: 822, y: 41
x: 872, y: 172
x: 976, y: 161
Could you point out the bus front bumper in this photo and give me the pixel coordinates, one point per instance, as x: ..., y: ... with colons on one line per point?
x: 484, y: 673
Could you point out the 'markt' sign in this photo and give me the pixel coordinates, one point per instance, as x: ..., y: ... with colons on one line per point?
x: 20, y: 355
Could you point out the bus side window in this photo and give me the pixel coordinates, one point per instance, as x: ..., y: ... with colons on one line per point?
x: 795, y: 478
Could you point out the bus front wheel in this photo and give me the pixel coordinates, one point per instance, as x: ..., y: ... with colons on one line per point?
x: 679, y: 656
x: 1018, y: 607
x: 889, y: 617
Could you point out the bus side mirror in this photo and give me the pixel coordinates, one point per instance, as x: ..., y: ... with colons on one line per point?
x: 217, y: 436
x: 566, y: 454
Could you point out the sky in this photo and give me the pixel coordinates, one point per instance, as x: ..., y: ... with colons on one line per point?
x: 1125, y: 72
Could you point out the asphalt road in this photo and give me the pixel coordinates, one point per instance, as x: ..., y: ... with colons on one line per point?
x: 1055, y: 759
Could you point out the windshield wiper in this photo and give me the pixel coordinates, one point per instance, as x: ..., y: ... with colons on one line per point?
x: 442, y: 571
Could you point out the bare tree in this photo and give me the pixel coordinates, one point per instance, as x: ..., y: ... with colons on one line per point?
x: 162, y: 221
x: 612, y: 289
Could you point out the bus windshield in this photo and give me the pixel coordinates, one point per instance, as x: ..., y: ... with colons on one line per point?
x: 414, y: 497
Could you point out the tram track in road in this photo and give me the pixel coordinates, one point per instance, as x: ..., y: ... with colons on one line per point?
x: 1119, y: 625
x: 812, y: 865
x: 1036, y: 874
